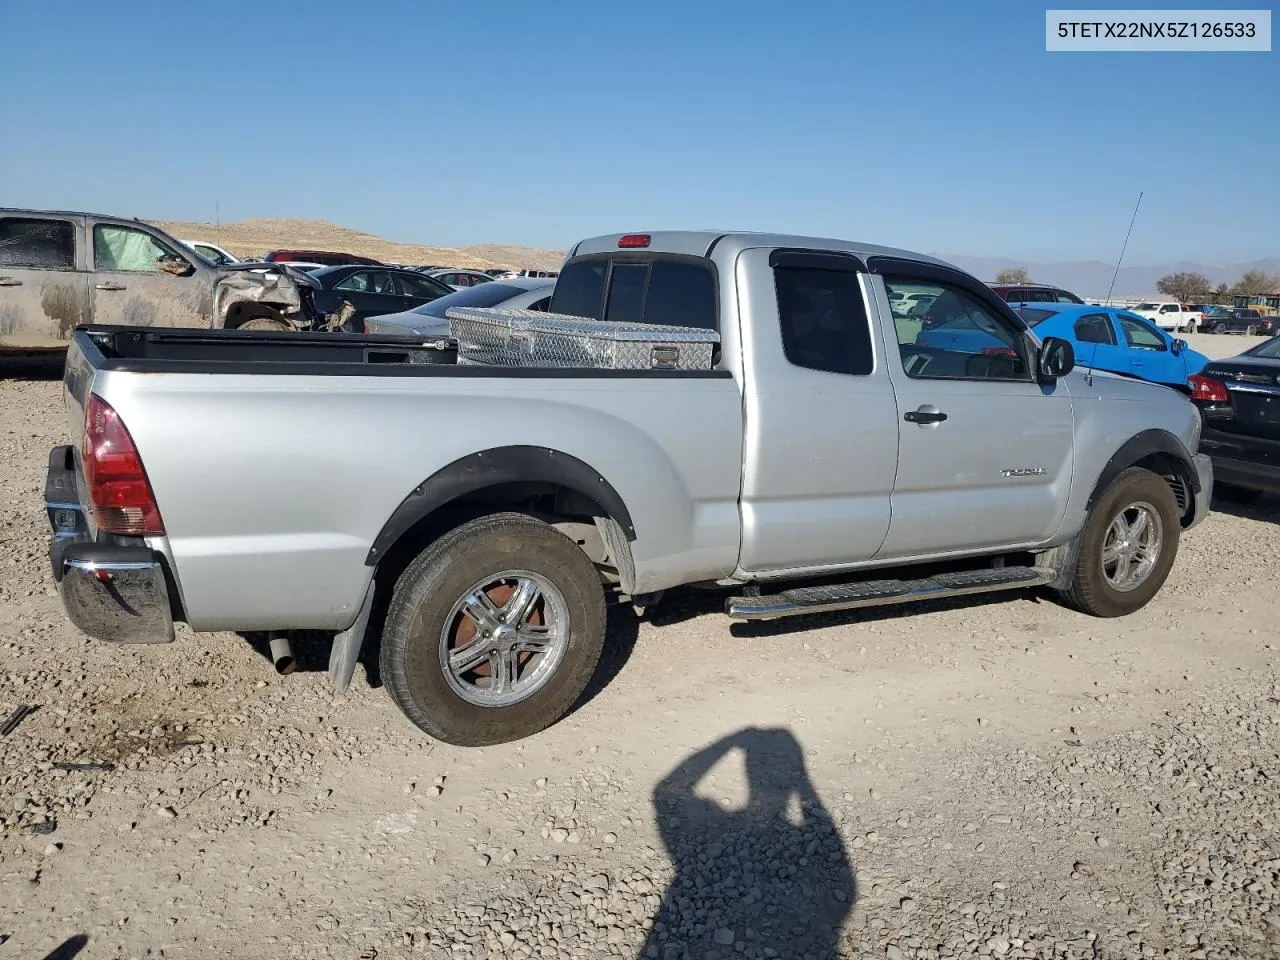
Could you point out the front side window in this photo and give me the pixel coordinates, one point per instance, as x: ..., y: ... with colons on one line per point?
x: 1095, y: 328
x: 1140, y: 336
x: 38, y: 244
x: 823, y: 319
x: 125, y: 249
x: 957, y: 338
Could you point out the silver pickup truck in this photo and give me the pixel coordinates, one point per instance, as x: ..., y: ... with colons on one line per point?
x: 470, y: 522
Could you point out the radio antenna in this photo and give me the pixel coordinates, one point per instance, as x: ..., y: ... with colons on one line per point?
x: 1125, y: 247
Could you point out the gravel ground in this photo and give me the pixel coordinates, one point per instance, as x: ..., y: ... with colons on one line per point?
x: 1001, y: 779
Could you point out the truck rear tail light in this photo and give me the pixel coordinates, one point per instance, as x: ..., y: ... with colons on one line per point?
x: 1208, y: 389
x: 118, y: 487
x: 634, y: 240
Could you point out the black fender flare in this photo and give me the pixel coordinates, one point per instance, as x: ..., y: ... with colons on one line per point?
x: 1139, y: 447
x: 489, y: 468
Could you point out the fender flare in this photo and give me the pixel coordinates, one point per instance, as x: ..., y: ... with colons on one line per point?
x: 1140, y: 446
x: 493, y: 467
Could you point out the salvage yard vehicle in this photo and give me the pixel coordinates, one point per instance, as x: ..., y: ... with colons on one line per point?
x: 1240, y: 400
x: 368, y: 291
x: 60, y: 269
x: 731, y: 410
x: 430, y: 320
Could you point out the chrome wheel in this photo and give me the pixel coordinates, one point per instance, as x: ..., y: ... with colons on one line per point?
x: 504, y: 638
x: 1131, y: 547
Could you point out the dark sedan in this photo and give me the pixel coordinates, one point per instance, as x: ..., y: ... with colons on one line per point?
x: 1240, y: 400
x: 373, y: 291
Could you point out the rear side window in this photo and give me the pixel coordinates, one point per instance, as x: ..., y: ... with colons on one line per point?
x: 671, y: 292
x: 823, y: 319
x: 40, y: 244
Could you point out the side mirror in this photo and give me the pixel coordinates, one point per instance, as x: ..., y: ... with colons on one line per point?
x: 1056, y: 359
x: 1178, y: 346
x: 175, y: 265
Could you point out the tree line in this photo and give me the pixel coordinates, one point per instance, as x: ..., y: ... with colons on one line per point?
x: 1187, y: 287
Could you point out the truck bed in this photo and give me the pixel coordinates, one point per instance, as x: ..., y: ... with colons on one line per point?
x: 148, y: 350
x: 277, y: 458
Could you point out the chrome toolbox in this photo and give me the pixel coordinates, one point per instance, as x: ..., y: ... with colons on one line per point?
x: 531, y: 338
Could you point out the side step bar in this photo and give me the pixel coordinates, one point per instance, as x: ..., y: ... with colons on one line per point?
x: 879, y: 593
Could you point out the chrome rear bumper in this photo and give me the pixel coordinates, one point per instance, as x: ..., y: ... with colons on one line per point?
x: 111, y: 590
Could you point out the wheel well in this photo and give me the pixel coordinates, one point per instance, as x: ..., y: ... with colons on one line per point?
x: 1176, y: 473
x: 570, y: 511
x: 244, y: 311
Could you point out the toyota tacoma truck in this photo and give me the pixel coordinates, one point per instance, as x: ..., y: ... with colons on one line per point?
x: 471, y: 521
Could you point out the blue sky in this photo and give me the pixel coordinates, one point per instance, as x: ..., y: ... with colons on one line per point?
x: 937, y: 126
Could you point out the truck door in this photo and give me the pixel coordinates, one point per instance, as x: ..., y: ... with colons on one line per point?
x: 985, y: 453
x: 44, y: 289
x: 821, y: 430
x: 130, y: 288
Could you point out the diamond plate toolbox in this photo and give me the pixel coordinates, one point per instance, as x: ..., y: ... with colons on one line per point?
x: 530, y: 338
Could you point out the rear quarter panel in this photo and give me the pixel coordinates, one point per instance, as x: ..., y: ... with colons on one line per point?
x: 272, y: 488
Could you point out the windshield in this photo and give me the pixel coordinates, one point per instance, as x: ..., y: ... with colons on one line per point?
x: 1147, y: 306
x: 1270, y: 350
x: 484, y: 295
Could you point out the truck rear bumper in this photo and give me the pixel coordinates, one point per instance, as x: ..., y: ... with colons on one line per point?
x: 116, y: 591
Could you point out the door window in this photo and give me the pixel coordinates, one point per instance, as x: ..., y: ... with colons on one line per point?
x: 125, y: 249
x: 1140, y: 336
x: 1095, y: 328
x: 418, y: 287
x: 823, y: 318
x: 369, y: 281
x: 36, y: 243
x: 957, y: 338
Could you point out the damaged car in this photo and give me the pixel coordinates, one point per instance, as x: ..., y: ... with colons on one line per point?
x: 60, y: 269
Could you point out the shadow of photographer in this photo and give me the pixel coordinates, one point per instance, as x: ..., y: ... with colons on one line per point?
x: 768, y: 879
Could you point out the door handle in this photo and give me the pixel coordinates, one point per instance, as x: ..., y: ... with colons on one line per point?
x: 10, y: 282
x: 110, y: 286
x: 924, y: 416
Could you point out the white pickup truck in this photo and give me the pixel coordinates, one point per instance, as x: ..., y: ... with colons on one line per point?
x: 794, y: 445
x: 1168, y: 315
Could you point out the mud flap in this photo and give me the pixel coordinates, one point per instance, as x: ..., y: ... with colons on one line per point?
x: 347, y: 644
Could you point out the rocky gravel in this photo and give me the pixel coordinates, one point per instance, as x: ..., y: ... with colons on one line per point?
x: 979, y: 780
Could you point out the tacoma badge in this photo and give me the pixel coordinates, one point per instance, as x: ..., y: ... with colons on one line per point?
x: 1023, y: 472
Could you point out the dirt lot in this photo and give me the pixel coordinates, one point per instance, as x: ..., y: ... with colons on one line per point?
x: 1001, y: 779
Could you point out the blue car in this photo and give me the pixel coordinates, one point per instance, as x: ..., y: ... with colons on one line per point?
x: 1104, y: 338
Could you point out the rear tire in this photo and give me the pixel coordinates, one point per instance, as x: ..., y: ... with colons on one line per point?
x: 1251, y: 331
x: 1219, y: 328
x: 1097, y: 586
x: 469, y: 579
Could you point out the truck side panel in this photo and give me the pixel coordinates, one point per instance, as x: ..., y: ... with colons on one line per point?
x: 273, y: 487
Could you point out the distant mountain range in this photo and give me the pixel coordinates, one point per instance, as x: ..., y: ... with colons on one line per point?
x: 1090, y: 279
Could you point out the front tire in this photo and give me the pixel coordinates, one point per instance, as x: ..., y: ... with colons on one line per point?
x: 1127, y: 546
x: 493, y: 632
